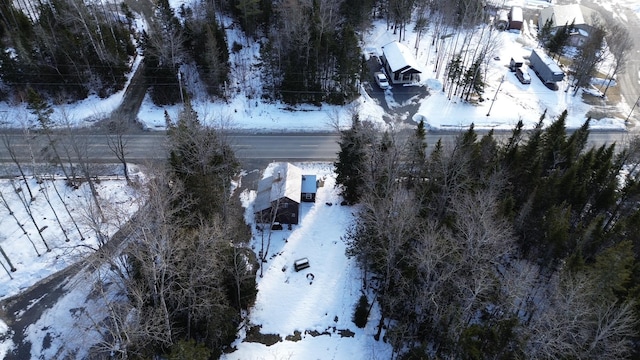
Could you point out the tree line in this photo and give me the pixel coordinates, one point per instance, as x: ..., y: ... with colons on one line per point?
x: 524, y: 248
x: 187, y: 274
x: 310, y: 50
x: 178, y: 279
x: 66, y: 49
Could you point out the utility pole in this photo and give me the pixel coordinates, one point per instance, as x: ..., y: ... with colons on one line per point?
x: 634, y: 106
x: 496, y: 95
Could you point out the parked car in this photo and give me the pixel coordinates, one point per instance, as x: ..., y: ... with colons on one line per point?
x: 381, y: 80
x: 523, y: 75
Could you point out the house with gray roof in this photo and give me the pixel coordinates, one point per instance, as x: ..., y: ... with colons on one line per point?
x: 279, y: 195
x: 582, y: 17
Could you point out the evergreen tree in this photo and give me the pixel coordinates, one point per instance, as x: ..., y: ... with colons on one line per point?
x: 544, y: 34
x: 560, y: 38
x: 348, y: 68
x: 164, y: 52
x: 204, y: 161
x: 351, y: 160
x: 417, y: 154
x: 207, y: 45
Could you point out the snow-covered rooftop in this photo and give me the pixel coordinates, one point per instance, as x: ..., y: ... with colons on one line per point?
x: 399, y: 57
x: 286, y: 181
x: 566, y: 14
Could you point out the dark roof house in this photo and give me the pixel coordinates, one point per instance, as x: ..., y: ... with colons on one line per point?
x: 278, y: 198
x: 401, y: 66
x: 279, y: 195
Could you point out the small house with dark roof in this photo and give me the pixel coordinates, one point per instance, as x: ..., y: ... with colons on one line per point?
x: 278, y: 198
x: 401, y: 66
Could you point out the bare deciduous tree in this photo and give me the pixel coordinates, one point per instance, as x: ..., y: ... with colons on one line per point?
x: 29, y: 211
x: 117, y: 143
x: 619, y: 43
x: 576, y: 322
x: 6, y: 205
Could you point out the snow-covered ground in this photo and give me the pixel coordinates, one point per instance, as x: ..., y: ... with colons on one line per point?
x: 46, y: 222
x: 320, y: 299
x: 287, y: 301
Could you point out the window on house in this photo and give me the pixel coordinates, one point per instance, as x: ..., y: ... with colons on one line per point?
x: 285, y: 205
x: 307, y: 196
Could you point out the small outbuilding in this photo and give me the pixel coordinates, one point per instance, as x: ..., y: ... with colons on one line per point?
x: 309, y: 188
x: 401, y: 66
x: 502, y: 20
x: 515, y: 18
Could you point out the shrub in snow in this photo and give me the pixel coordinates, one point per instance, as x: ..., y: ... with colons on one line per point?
x: 362, y: 312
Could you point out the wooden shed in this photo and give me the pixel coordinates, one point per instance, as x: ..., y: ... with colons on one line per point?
x: 515, y: 18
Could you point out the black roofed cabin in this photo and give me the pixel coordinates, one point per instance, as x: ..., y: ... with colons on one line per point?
x: 401, y: 66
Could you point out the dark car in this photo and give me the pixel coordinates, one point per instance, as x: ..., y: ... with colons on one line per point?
x: 523, y: 75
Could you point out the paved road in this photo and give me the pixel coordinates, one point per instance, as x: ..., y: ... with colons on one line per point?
x: 142, y: 147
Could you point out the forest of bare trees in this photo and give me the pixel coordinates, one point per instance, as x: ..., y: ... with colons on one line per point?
x: 184, y: 273
x: 187, y: 271
x: 65, y: 48
x: 521, y: 249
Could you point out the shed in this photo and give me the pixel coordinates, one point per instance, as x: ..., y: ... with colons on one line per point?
x: 278, y: 197
x: 515, y: 18
x: 502, y: 20
x: 401, y: 66
x: 309, y: 188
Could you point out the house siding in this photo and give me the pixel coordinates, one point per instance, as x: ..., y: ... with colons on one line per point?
x: 287, y: 212
x: 308, y: 197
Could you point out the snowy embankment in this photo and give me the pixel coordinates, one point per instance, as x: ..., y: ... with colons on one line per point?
x: 58, y: 228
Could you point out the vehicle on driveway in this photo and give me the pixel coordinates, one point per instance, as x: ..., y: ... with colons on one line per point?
x: 546, y: 68
x: 523, y: 75
x: 381, y: 80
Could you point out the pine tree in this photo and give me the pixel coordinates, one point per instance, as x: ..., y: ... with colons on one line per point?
x: 351, y: 159
x: 204, y: 161
x: 559, y: 40
x: 544, y: 35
